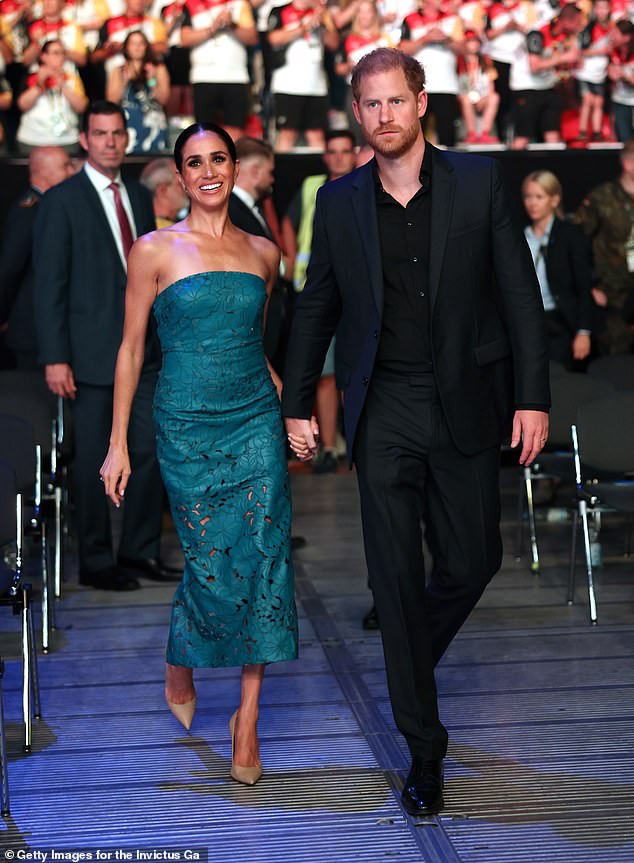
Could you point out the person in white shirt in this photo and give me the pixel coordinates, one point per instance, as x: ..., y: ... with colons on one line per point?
x: 51, y: 102
x: 298, y: 34
x: 218, y: 34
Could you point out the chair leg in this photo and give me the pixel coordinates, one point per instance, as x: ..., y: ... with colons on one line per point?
x: 26, y: 669
x: 573, y: 558
x: 46, y: 626
x: 528, y: 482
x: 35, y: 675
x: 4, y: 765
x: 519, y: 549
x: 58, y: 542
x: 583, y: 512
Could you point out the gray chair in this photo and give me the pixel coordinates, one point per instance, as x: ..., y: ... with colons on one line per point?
x: 18, y: 448
x: 568, y: 392
x: 618, y: 369
x: 16, y: 594
x: 603, y: 445
x: 24, y: 393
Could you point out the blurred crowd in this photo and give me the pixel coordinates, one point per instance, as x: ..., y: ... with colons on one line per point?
x: 505, y: 72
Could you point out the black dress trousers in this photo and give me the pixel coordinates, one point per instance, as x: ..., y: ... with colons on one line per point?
x: 407, y: 463
x: 143, y: 505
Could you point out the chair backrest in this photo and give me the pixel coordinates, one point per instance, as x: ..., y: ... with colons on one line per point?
x: 568, y: 392
x: 8, y: 491
x: 605, y: 428
x: 25, y: 394
x: 617, y: 369
x: 17, y: 446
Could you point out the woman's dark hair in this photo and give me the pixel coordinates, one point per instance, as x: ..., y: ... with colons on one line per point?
x: 49, y: 44
x: 148, y: 57
x: 195, y: 129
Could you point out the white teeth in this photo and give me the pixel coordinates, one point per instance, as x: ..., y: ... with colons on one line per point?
x: 210, y: 187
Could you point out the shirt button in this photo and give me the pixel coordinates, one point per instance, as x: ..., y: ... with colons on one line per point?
x: 415, y: 260
x: 422, y: 293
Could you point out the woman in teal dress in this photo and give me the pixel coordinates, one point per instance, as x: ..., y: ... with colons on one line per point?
x: 220, y: 439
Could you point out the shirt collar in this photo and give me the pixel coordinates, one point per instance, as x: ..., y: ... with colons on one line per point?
x: 545, y: 237
x: 424, y: 175
x: 99, y: 180
x: 246, y: 197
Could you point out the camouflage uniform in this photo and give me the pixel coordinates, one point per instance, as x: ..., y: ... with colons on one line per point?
x: 607, y: 216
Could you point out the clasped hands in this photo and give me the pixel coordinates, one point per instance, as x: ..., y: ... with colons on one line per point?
x: 529, y: 427
x: 303, y: 437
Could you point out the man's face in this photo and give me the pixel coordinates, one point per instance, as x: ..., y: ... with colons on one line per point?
x: 339, y: 157
x: 389, y: 113
x: 264, y: 178
x: 105, y: 142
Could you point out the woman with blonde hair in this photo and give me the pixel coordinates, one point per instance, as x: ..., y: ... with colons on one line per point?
x: 563, y: 265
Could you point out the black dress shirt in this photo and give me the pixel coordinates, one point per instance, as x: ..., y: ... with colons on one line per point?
x: 404, y: 238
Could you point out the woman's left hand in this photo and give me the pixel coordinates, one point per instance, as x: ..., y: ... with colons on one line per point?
x: 115, y: 473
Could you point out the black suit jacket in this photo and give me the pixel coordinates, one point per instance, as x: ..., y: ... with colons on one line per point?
x: 243, y: 218
x: 488, y: 334
x: 80, y: 280
x: 569, y: 271
x: 16, y: 273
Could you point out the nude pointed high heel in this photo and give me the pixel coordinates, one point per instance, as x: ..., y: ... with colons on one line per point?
x: 245, y: 775
x: 183, y: 712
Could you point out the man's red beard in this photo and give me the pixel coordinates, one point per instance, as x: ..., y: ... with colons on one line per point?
x: 394, y: 145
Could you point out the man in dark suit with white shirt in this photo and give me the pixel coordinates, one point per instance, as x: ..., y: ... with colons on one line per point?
x: 441, y: 349
x: 253, y: 186
x: 84, y: 230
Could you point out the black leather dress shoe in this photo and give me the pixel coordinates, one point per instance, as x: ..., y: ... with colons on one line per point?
x: 152, y: 568
x: 422, y: 792
x: 371, y: 619
x: 111, y: 578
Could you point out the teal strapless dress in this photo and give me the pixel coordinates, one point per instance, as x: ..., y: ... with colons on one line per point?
x: 221, y: 449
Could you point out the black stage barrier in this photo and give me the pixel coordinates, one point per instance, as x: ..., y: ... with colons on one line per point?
x: 578, y: 170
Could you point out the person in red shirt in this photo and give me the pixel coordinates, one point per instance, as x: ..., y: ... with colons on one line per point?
x: 621, y: 73
x: 596, y: 44
x: 53, y: 26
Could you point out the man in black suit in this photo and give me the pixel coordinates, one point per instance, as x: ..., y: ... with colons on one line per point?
x: 47, y: 167
x: 441, y: 346
x: 254, y: 186
x: 83, y: 233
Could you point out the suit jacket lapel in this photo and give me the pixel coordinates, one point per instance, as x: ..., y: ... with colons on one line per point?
x: 364, y: 207
x: 92, y: 198
x: 443, y: 185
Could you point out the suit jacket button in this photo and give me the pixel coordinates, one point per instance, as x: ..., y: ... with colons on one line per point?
x: 365, y: 382
x: 376, y: 334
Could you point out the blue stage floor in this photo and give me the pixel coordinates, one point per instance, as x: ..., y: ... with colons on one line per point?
x: 539, y: 705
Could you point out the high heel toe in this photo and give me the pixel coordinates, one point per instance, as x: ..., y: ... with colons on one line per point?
x: 183, y: 712
x: 245, y: 775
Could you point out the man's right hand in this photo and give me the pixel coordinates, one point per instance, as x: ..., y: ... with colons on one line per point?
x: 60, y: 380
x: 303, y: 436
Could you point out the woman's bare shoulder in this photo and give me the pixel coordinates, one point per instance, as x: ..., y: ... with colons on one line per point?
x: 266, y: 249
